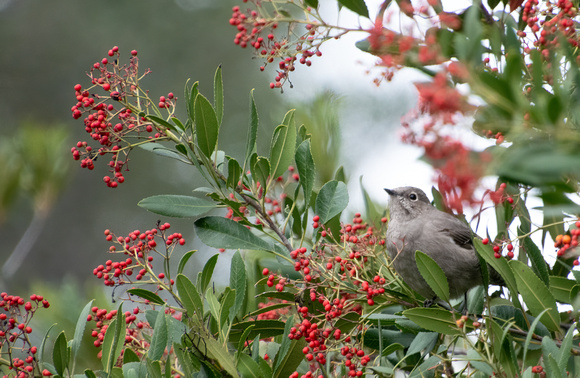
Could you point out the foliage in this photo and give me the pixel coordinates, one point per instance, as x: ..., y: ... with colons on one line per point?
x: 337, y: 307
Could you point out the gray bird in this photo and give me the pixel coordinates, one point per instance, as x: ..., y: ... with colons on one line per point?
x: 416, y: 225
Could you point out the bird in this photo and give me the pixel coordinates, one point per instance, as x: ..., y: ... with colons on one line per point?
x: 416, y: 225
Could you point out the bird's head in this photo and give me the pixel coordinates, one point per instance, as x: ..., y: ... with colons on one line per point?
x: 407, y: 202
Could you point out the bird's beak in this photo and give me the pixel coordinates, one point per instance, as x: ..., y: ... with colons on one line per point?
x: 390, y: 192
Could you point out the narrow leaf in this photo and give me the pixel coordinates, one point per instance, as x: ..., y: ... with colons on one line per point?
x: 331, y: 200
x: 207, y: 272
x: 238, y: 282
x: 433, y: 275
x: 290, y: 353
x: 253, y: 129
x: 184, y: 259
x: 357, y: 6
x: 436, y: 320
x: 60, y: 354
x: 160, y: 336
x: 234, y: 173
x: 423, y: 341
x: 306, y: 169
x: 282, y: 150
x: 177, y: 206
x: 148, y: 295
x: 80, y: 330
x: 218, y: 94
x: 537, y: 259
x: 536, y: 295
x: 190, y: 298
x: 220, y: 232
x: 206, y: 125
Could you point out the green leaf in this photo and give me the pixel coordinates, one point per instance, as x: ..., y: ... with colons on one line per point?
x: 282, y: 150
x: 161, y: 122
x: 433, y: 275
x: 148, y: 295
x: 90, y: 374
x: 500, y: 265
x: 184, y: 259
x: 357, y: 6
x: 177, y: 206
x: 248, y: 367
x: 190, y: 94
x: 220, y: 232
x: 189, y: 297
x: 160, y: 336
x: 207, y: 272
x: 531, y: 333
x: 535, y: 294
x: 312, y: 3
x: 332, y: 199
x: 218, y: 94
x: 306, y: 169
x: 252, y: 130
x: 238, y: 282
x: 130, y: 356
x: 423, y: 341
x: 153, y: 368
x: 60, y: 354
x: 212, y: 303
x: 566, y: 347
x: 264, y: 328
x: 42, y: 357
x: 561, y: 287
x: 260, y: 169
x: 434, y: 319
x: 80, y: 330
x: 290, y: 353
x: 234, y: 173
x: 426, y: 368
x: 537, y: 259
x: 268, y: 308
x: 114, y: 340
x: 206, y: 125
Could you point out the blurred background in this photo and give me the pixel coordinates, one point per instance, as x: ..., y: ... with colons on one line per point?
x: 53, y: 213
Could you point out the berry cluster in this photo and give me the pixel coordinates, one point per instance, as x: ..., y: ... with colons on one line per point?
x: 565, y: 243
x: 140, y: 248
x: 110, y: 117
x: 261, y: 33
x: 498, y: 248
x: 14, y: 333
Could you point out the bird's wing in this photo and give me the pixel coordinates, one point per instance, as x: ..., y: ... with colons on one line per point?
x: 458, y: 231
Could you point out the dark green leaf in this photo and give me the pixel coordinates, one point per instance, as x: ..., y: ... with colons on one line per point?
x: 537, y: 259
x: 423, y: 341
x: 535, y: 294
x: 219, y: 232
x: 357, y: 6
x: 268, y: 308
x: 148, y: 295
x: 433, y: 319
x: 433, y: 275
x: 160, y: 336
x: 60, y: 354
x: 290, y: 353
x: 190, y: 94
x: 206, y: 125
x: 130, y: 356
x: 184, y: 259
x: 227, y: 302
x: 252, y: 130
x: 332, y: 199
x: 161, y: 122
x: 234, y: 173
x: 264, y: 328
x: 561, y: 287
x: 181, y: 126
x: 306, y: 169
x: 238, y: 283
x: 426, y: 370
x: 177, y: 206
x: 218, y: 94
x: 90, y: 374
x: 153, y: 369
x: 114, y: 340
x: 189, y: 297
x: 80, y: 330
x: 387, y: 337
x: 312, y: 3
x: 248, y: 367
x: 282, y: 150
x: 260, y: 169
x: 500, y: 265
x: 207, y: 272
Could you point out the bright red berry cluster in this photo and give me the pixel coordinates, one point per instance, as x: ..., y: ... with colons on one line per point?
x: 14, y: 333
x: 110, y: 117
x: 140, y: 248
x: 567, y: 242
x: 261, y: 33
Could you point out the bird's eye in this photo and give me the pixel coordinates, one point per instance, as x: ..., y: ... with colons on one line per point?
x: 413, y: 197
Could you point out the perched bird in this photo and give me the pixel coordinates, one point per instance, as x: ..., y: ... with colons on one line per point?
x: 416, y: 225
